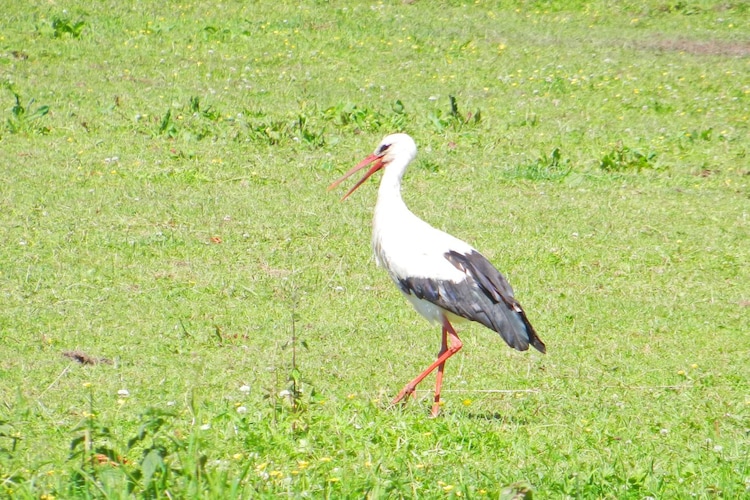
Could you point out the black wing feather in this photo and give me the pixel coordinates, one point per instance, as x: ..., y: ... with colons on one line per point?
x: 485, y: 297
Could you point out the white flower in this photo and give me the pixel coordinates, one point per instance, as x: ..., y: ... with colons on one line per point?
x: 123, y: 393
x: 241, y: 410
x: 245, y: 389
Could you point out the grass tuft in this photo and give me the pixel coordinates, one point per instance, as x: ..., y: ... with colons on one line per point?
x: 545, y: 168
x: 624, y: 158
x: 24, y: 119
x: 62, y: 26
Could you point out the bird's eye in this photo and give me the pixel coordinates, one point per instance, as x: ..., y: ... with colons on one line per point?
x: 383, y: 148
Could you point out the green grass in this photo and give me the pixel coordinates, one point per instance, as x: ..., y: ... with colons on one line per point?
x: 164, y: 207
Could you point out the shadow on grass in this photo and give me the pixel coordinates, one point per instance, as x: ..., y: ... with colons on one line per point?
x: 497, y: 416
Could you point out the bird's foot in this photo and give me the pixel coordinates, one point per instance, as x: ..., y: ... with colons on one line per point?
x: 435, y: 409
x: 408, y: 390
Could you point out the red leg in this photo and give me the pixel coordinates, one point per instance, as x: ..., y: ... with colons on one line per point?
x: 445, y: 353
x: 441, y: 368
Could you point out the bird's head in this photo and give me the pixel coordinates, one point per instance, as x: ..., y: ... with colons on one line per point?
x: 394, y: 149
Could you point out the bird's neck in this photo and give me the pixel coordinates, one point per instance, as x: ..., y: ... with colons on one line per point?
x: 389, y: 193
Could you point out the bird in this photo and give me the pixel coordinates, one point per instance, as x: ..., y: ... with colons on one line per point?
x: 444, y: 278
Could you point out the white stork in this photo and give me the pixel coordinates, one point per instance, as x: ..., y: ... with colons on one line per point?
x: 444, y: 278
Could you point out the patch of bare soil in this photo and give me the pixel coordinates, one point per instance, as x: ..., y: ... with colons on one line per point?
x: 701, y: 47
x: 85, y: 359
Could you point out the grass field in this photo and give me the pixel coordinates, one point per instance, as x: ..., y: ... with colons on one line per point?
x: 187, y: 313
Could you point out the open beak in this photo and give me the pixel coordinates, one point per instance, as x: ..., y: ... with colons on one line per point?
x: 377, y: 164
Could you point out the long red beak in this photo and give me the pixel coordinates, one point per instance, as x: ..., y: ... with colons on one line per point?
x: 377, y: 164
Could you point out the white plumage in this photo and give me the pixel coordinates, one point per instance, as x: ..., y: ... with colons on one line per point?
x: 443, y: 277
